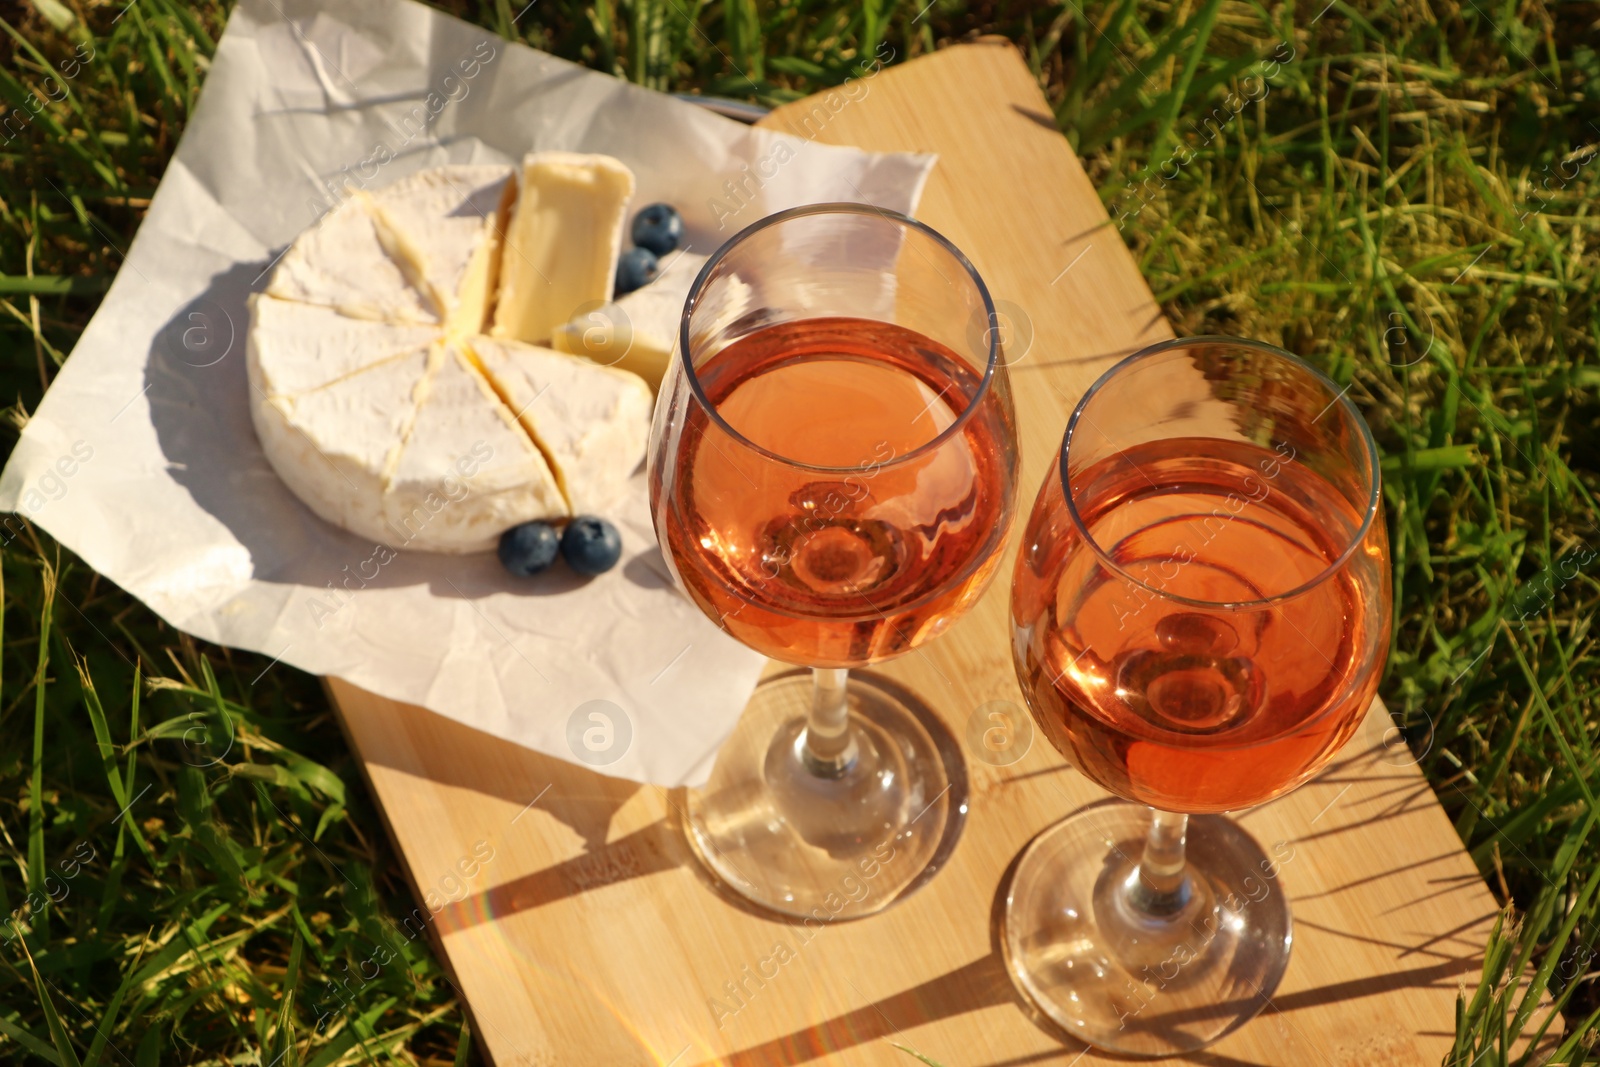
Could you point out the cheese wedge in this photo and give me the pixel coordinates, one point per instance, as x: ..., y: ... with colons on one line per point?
x: 294, y: 348
x: 346, y: 262
x: 333, y: 446
x: 591, y: 422
x: 562, y: 245
x: 467, y: 471
x: 638, y: 331
x: 447, y: 224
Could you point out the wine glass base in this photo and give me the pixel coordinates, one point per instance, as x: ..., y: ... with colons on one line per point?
x: 1123, y: 982
x: 829, y: 848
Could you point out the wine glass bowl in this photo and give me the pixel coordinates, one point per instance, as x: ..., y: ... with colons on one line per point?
x: 840, y: 515
x: 1200, y: 616
x: 832, y: 476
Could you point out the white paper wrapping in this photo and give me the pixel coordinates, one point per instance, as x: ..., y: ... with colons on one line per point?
x: 142, y: 459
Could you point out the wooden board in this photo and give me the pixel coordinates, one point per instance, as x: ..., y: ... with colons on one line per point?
x: 584, y: 932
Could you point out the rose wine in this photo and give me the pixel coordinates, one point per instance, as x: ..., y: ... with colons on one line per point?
x: 1215, y: 663
x: 838, y: 524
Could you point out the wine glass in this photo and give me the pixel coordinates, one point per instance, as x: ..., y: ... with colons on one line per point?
x: 1200, y: 617
x: 832, y: 474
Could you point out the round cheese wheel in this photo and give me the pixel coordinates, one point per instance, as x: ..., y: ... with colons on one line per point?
x: 381, y: 402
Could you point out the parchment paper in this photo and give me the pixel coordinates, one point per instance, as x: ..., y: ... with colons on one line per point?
x: 142, y: 459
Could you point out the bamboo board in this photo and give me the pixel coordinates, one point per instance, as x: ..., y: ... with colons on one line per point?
x: 590, y: 936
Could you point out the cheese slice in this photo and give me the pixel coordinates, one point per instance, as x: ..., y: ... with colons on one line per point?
x: 562, y: 244
x: 637, y: 332
x: 591, y: 422
x: 333, y: 446
x: 294, y: 348
x: 447, y: 224
x: 349, y: 262
x: 467, y: 472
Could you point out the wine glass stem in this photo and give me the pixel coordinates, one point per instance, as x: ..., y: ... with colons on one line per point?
x: 1162, y: 887
x: 830, y: 744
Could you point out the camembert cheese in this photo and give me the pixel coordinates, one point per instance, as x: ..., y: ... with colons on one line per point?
x: 562, y: 244
x: 377, y: 395
x: 638, y: 331
x: 346, y: 262
x: 591, y: 427
x: 454, y: 255
x: 299, y: 347
x: 334, y: 445
x: 465, y: 448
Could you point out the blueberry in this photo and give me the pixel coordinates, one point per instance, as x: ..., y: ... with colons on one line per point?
x: 636, y: 268
x: 591, y: 545
x: 529, y: 548
x: 659, y: 228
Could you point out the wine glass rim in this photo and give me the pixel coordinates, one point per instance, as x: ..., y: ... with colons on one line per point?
x: 1369, y: 446
x: 839, y: 208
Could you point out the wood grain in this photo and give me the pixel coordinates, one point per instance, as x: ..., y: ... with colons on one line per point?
x: 588, y: 935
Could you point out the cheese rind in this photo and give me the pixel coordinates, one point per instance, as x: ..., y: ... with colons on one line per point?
x: 333, y: 445
x: 467, y: 471
x: 562, y: 243
x: 345, y: 262
x: 448, y: 222
x: 638, y: 331
x: 592, y: 423
x: 294, y: 348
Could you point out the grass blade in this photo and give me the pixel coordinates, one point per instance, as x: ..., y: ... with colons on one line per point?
x: 1203, y: 23
x: 282, y: 1048
x: 67, y: 1055
x: 108, y: 1020
x: 42, y: 1049
x: 36, y: 860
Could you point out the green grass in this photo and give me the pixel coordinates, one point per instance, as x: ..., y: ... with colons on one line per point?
x: 196, y: 872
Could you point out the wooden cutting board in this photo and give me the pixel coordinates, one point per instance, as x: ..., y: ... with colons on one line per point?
x: 580, y: 931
